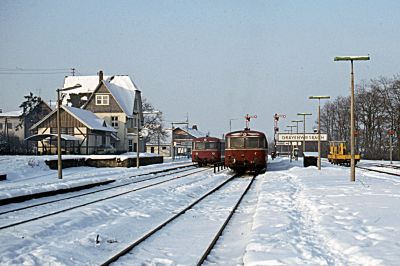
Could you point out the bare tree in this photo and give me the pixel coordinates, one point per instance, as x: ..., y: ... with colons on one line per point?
x: 153, y: 122
x: 377, y: 112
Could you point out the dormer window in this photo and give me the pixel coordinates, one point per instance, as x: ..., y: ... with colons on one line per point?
x: 102, y: 99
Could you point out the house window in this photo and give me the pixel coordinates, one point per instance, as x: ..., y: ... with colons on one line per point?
x: 1, y: 126
x: 53, y: 130
x: 102, y: 99
x: 164, y: 148
x: 130, y: 145
x: 114, y: 121
x: 152, y: 149
x: 9, y: 125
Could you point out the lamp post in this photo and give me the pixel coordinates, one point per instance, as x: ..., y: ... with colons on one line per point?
x: 59, y: 160
x: 230, y: 123
x: 352, y: 120
x: 304, y: 129
x: 291, y: 146
x: 297, y: 125
x: 297, y: 132
x: 287, y: 131
x: 137, y: 139
x: 319, y: 125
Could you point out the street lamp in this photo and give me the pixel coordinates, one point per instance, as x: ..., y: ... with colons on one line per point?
x: 304, y: 129
x: 352, y: 120
x: 291, y: 146
x: 297, y: 125
x: 297, y: 132
x: 59, y: 161
x: 230, y: 123
x: 319, y: 125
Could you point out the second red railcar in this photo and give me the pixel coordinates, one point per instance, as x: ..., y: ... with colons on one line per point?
x: 207, y: 150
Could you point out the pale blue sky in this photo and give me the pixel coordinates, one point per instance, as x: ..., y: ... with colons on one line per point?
x: 215, y: 60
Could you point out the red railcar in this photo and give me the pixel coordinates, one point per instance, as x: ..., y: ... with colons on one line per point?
x: 246, y: 150
x: 207, y: 150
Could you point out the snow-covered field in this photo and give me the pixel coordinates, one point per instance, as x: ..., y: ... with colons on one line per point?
x: 291, y: 216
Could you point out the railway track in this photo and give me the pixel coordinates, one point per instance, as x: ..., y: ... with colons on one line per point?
x: 75, y: 197
x: 381, y: 171
x: 180, y: 216
x: 53, y: 193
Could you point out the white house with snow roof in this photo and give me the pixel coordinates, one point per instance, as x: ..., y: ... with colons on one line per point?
x: 116, y: 99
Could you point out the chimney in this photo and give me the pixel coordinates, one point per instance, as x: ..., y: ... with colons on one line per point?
x: 194, y: 127
x: 100, y: 73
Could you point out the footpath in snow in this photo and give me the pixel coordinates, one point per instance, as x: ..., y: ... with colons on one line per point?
x: 310, y: 217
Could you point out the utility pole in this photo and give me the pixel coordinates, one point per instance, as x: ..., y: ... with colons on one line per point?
x: 59, y: 160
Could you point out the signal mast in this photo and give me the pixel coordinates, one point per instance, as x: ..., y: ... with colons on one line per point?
x: 248, y: 117
x: 276, y: 130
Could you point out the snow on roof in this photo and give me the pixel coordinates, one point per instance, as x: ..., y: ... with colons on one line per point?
x: 194, y: 132
x: 123, y: 90
x: 12, y: 114
x: 89, y: 119
x: 88, y: 83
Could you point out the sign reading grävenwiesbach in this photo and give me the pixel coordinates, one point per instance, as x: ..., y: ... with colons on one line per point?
x: 300, y: 137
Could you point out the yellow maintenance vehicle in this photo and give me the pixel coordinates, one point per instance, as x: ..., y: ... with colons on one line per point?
x: 338, y: 154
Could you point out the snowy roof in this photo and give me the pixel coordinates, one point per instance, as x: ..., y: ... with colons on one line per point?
x: 194, y: 132
x: 11, y: 114
x: 88, y: 83
x: 123, y: 90
x: 310, y: 154
x: 89, y: 119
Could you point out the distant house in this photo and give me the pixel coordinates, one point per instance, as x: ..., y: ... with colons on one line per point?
x: 159, y: 146
x: 9, y: 122
x: 16, y: 124
x: 116, y: 99
x: 82, y: 132
x: 182, y: 139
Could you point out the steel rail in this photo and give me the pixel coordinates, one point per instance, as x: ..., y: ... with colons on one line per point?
x: 126, y: 250
x: 378, y: 171
x: 96, y: 201
x: 219, y: 233
x: 100, y: 190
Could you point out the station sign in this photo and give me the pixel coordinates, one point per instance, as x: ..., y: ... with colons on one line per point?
x: 299, y: 137
x: 287, y: 143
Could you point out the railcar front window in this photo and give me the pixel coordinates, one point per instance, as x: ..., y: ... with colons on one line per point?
x: 211, y: 145
x: 237, y: 143
x: 200, y: 146
x: 255, y: 143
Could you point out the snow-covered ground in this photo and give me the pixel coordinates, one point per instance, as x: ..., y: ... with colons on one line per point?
x: 291, y: 216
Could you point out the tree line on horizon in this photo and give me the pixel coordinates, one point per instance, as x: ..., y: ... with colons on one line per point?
x: 377, y: 111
